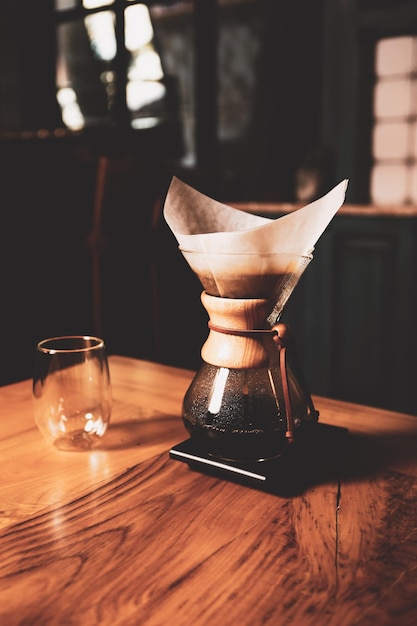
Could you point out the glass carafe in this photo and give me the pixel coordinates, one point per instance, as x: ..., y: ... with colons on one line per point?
x: 245, y: 403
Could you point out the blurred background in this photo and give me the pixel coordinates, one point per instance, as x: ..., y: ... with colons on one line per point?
x: 261, y: 104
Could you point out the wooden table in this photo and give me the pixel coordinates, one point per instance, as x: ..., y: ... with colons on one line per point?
x: 127, y: 535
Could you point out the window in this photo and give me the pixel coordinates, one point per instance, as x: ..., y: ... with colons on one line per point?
x: 394, y: 137
x: 108, y: 68
x: 132, y: 64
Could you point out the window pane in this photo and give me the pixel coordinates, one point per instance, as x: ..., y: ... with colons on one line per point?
x: 102, y: 36
x: 389, y: 184
x: 145, y: 92
x: 390, y: 141
x: 394, y: 56
x: 138, y: 27
x: 393, y: 98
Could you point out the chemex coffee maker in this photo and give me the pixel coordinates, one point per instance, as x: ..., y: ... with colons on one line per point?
x: 247, y: 405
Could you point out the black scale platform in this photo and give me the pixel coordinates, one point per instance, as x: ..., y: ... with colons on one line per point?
x: 310, y: 459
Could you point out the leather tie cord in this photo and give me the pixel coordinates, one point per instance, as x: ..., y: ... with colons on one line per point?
x: 297, y: 370
x: 241, y: 331
x: 286, y: 390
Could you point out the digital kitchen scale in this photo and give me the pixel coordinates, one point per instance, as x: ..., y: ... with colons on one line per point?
x: 308, y: 460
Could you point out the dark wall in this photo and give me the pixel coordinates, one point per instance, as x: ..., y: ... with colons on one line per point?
x: 44, y: 258
x: 126, y: 280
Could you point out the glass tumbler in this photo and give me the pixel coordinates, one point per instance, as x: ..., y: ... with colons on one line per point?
x: 72, y: 391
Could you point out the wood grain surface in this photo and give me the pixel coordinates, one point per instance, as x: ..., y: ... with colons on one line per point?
x: 125, y: 535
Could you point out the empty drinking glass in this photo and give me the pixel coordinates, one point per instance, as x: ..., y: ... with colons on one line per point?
x: 71, y: 391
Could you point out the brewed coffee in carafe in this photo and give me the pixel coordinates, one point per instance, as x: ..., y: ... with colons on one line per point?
x: 246, y: 403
